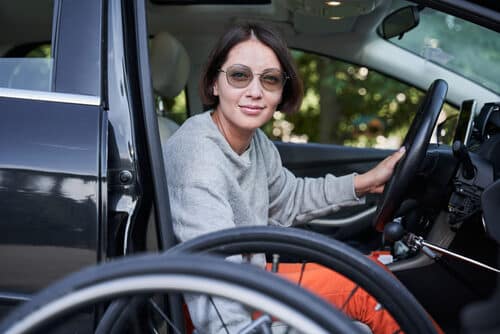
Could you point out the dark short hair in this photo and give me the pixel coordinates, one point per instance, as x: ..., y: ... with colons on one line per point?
x: 292, y: 91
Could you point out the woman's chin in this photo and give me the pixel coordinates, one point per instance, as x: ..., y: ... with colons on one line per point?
x: 253, y: 121
x: 251, y: 124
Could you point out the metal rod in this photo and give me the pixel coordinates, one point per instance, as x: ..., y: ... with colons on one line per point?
x: 276, y: 263
x: 458, y: 256
x: 263, y: 323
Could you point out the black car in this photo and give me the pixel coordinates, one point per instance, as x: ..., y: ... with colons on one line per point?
x: 91, y: 90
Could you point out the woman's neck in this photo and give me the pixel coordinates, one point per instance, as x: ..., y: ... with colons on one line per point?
x: 238, y: 140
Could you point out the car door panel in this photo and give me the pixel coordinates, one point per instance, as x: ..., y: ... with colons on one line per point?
x: 53, y: 155
x: 316, y: 160
x: 50, y: 187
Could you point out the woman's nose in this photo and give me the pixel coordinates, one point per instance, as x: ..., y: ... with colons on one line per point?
x: 255, y: 88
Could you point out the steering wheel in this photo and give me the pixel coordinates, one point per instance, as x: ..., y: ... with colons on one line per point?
x: 415, y: 143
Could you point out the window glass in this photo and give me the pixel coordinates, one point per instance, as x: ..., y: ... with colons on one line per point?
x: 351, y: 105
x: 25, y: 47
x: 174, y: 109
x: 32, y: 71
x: 461, y: 46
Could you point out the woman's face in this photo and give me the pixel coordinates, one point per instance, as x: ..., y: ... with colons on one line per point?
x: 246, y: 109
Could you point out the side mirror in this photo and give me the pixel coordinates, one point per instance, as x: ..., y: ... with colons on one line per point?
x: 400, y: 21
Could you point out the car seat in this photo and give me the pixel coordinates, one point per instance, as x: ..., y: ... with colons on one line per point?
x: 170, y: 66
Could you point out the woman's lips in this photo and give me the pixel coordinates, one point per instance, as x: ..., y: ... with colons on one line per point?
x: 251, y: 109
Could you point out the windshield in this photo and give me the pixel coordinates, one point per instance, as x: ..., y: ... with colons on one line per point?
x: 461, y: 46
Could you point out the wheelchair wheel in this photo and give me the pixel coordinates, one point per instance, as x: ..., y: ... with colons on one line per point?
x: 200, y: 274
x: 312, y: 247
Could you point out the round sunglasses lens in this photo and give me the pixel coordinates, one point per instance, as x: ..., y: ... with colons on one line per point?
x: 272, y: 80
x: 239, y: 76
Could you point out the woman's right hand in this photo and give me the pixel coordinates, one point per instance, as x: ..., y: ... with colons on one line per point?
x: 374, y: 180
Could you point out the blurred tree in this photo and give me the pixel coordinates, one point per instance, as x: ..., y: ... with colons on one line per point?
x: 41, y: 51
x: 348, y: 105
x: 172, y: 108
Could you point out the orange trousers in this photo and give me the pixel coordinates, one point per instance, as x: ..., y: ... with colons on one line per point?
x: 343, y: 293
x: 338, y: 290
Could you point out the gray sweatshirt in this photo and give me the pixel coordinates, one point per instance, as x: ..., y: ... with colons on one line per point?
x: 212, y: 188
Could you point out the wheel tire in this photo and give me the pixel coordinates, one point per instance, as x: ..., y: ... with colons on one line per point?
x: 313, y: 247
x: 180, y: 273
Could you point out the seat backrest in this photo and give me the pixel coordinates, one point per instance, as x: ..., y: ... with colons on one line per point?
x: 170, y: 65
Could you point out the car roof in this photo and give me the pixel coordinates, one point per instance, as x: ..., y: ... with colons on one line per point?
x: 29, y: 20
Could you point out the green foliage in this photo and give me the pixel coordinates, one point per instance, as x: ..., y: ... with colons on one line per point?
x: 174, y: 108
x: 348, y: 104
x: 41, y: 51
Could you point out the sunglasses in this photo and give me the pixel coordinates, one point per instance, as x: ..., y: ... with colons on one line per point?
x: 240, y: 76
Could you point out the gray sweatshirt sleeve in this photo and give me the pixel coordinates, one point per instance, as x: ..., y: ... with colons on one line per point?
x: 294, y: 200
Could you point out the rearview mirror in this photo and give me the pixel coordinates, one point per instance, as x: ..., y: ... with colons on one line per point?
x: 400, y: 21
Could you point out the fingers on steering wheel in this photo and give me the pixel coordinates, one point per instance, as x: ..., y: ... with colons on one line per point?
x: 395, y: 157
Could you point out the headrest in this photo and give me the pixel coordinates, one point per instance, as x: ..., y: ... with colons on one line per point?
x: 169, y: 65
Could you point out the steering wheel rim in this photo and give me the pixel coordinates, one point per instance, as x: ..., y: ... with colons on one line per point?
x: 416, y: 143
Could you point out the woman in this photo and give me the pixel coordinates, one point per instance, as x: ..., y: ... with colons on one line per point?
x: 224, y: 172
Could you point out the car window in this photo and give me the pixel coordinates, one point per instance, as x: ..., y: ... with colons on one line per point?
x: 347, y: 104
x: 27, y: 65
x: 33, y: 72
x: 174, y: 109
x: 453, y: 43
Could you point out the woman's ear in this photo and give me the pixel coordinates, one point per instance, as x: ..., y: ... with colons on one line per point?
x: 215, y: 89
